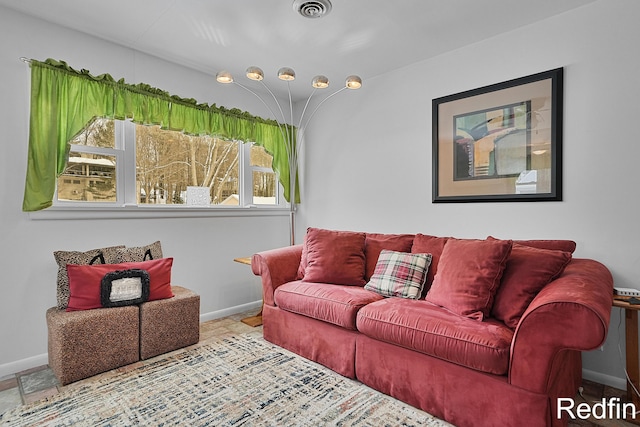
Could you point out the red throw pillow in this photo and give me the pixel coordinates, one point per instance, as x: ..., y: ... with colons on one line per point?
x: 374, y: 244
x: 528, y: 270
x: 468, y: 276
x: 425, y: 244
x: 84, y: 281
x: 334, y: 257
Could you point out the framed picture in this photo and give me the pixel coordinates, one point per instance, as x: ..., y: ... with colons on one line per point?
x: 500, y: 143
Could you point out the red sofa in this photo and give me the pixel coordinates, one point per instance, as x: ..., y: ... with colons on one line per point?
x: 493, y: 338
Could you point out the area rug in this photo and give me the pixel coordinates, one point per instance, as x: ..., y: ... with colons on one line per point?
x: 237, y: 381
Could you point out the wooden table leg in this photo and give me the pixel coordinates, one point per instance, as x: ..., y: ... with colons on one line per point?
x: 256, y: 320
x: 253, y: 320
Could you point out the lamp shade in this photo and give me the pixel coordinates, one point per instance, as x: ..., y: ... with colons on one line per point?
x: 320, y: 82
x: 354, y: 82
x: 224, y: 77
x: 286, y: 73
x: 255, y: 73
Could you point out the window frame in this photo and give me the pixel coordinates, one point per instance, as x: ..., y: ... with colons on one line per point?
x: 247, y: 180
x: 119, y: 152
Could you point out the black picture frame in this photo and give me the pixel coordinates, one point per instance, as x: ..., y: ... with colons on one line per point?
x: 500, y: 143
x: 106, y: 285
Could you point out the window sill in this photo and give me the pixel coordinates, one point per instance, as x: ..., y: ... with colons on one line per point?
x: 149, y: 212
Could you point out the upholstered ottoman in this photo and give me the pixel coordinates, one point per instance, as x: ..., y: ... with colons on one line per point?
x: 86, y: 343
x: 169, y: 324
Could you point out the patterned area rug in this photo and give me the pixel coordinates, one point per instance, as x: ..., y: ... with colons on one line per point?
x: 237, y: 381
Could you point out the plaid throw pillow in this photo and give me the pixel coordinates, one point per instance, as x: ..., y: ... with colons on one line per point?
x: 399, y: 274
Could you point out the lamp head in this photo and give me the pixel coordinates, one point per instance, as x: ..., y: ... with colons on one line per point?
x: 255, y: 73
x: 354, y: 82
x: 320, y: 82
x: 287, y: 74
x: 224, y: 77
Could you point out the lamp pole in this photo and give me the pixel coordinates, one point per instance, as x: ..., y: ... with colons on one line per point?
x: 293, y: 137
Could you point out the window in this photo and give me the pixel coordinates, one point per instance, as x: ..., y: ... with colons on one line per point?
x: 264, y: 180
x: 91, y: 175
x: 119, y: 163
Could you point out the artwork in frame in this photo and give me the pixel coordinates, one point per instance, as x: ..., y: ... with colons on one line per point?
x: 500, y: 143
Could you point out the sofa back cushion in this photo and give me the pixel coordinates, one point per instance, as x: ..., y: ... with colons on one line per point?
x: 469, y: 274
x: 558, y: 245
x: 426, y: 244
x: 375, y: 242
x: 330, y: 256
x: 528, y: 270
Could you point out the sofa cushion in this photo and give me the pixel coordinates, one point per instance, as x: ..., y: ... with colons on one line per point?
x: 374, y: 243
x: 558, y: 245
x: 426, y: 328
x: 469, y: 274
x: 337, y: 304
x: 330, y: 256
x: 425, y: 244
x: 399, y: 274
x: 528, y: 270
x: 85, y: 281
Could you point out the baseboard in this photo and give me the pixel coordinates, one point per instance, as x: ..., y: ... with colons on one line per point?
x: 611, y: 381
x: 230, y: 311
x: 43, y: 359
x: 23, y: 364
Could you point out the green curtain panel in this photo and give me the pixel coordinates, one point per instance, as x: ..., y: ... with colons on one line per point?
x: 64, y: 101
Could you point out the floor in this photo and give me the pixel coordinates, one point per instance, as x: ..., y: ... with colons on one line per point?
x: 39, y: 383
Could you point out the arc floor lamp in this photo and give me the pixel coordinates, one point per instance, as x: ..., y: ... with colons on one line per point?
x: 293, y: 141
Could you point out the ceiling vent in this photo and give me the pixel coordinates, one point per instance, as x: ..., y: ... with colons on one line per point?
x: 312, y: 8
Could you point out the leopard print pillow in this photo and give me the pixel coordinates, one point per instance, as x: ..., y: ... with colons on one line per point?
x: 140, y: 253
x: 94, y: 256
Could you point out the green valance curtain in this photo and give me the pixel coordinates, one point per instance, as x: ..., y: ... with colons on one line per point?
x: 64, y: 100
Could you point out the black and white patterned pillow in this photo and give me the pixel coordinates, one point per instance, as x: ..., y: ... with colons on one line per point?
x: 124, y: 287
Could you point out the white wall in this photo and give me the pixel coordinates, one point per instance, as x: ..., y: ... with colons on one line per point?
x: 203, y: 248
x: 371, y: 169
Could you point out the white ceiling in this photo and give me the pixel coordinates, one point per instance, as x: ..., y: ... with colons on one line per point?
x: 363, y: 37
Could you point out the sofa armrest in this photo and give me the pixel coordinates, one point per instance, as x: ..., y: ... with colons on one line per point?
x: 570, y: 313
x: 276, y: 267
